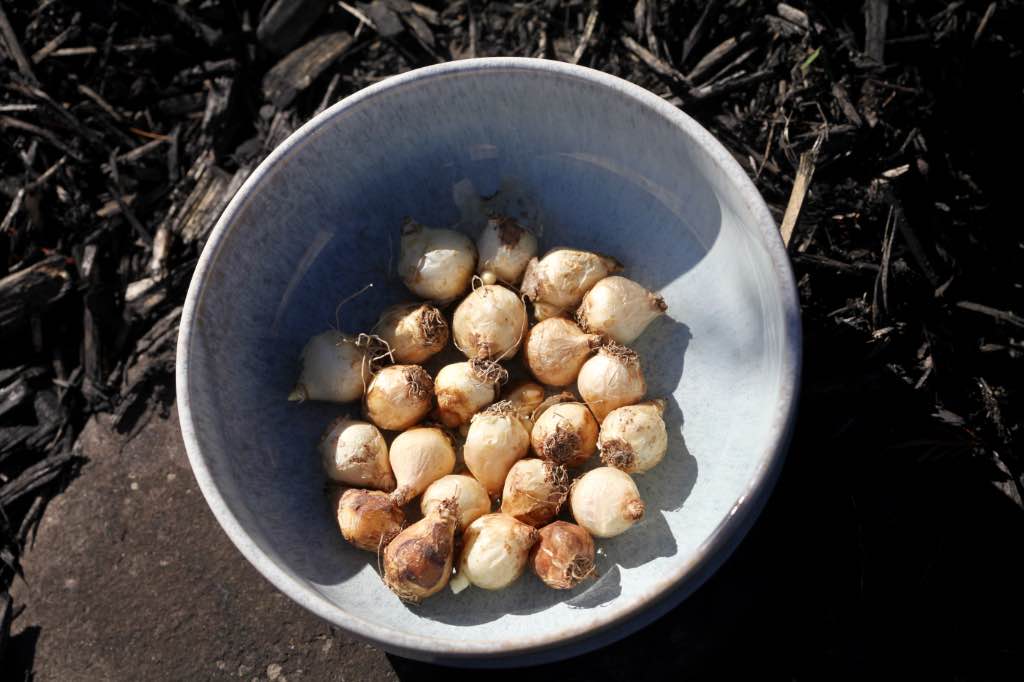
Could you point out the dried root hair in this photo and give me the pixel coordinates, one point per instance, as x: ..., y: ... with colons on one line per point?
x: 488, y: 371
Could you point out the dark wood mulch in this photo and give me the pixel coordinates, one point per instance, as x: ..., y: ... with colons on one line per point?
x: 127, y: 126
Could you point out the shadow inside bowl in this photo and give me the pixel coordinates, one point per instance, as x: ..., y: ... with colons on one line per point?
x: 663, y: 349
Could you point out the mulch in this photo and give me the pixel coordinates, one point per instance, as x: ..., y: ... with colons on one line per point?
x: 885, y: 137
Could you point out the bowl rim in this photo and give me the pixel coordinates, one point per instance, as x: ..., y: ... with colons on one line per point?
x: 660, y: 596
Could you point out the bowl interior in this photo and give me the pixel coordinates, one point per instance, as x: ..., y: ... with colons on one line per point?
x: 587, y: 163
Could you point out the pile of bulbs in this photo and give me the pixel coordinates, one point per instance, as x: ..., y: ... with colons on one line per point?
x: 586, y: 315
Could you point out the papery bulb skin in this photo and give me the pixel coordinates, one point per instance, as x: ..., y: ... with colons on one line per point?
x: 435, y: 264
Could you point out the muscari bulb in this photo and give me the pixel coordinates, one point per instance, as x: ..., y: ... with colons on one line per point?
x: 469, y: 494
x: 557, y: 282
x: 525, y: 397
x: 611, y: 379
x: 605, y: 502
x: 464, y: 388
x: 419, y: 457
x: 565, y: 433
x: 435, y: 264
x: 504, y: 250
x: 633, y: 438
x: 489, y: 323
x: 399, y: 397
x: 620, y: 309
x: 418, y: 561
x: 368, y: 518
x: 495, y: 549
x: 556, y: 348
x: 414, y: 332
x: 355, y: 453
x: 563, y: 556
x: 534, y: 491
x: 496, y: 439
x: 335, y: 368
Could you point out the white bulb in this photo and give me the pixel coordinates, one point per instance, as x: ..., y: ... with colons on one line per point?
x: 489, y: 323
x: 355, y: 453
x: 334, y: 369
x: 504, y: 250
x: 435, y: 264
x: 557, y: 282
x: 606, y: 502
x: 620, y: 309
x: 633, y: 438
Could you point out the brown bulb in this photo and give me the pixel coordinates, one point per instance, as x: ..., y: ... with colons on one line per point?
x: 534, y: 491
x: 564, y: 555
x: 368, y: 519
x: 418, y: 562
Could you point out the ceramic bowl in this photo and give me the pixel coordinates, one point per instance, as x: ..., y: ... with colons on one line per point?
x: 587, y: 160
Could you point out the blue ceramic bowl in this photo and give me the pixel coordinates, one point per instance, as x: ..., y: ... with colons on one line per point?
x: 593, y: 162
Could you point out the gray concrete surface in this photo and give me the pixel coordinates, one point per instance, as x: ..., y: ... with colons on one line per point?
x: 131, y: 577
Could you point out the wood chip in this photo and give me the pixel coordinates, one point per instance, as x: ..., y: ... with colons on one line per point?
x: 102, y: 103
x: 385, y: 20
x: 298, y: 70
x: 896, y: 172
x: 843, y: 98
x: 42, y: 133
x: 118, y: 193
x: 421, y: 31
x: 793, y: 15
x: 983, y: 24
x: 698, y: 30
x: 193, y: 220
x: 156, y: 346
x: 729, y: 85
x: 832, y: 263
x: 21, y: 389
x: 658, y: 65
x: 876, y: 14
x: 804, y: 173
x: 12, y: 210
x: 142, y: 150
x: 196, y: 217
x: 1001, y: 315
x: 712, y: 59
x: 358, y: 14
x: 31, y: 291
x: 10, y: 39
x: 67, y: 34
x: 287, y: 21
x: 588, y: 32
x: 140, y: 45
x: 35, y: 477
x: 880, y: 300
x: 428, y: 14
x: 6, y: 618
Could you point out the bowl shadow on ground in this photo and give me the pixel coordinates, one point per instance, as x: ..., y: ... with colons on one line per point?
x: 19, y: 655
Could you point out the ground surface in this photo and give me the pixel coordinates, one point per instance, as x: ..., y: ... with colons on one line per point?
x: 130, y: 577
x: 894, y: 538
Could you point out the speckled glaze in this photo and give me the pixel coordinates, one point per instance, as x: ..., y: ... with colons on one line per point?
x: 592, y: 161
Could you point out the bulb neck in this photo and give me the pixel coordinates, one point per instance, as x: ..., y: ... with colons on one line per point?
x: 635, y: 510
x: 402, y: 495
